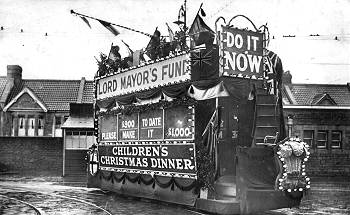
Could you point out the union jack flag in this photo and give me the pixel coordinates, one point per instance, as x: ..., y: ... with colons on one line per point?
x: 201, y: 58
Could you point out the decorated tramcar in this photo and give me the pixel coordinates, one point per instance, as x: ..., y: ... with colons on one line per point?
x: 200, y: 126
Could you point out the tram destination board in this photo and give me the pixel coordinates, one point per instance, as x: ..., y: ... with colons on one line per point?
x: 176, y: 160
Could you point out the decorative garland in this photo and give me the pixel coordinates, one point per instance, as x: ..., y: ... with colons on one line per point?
x: 129, y: 109
x: 205, y: 168
x: 293, y: 154
x: 139, y: 178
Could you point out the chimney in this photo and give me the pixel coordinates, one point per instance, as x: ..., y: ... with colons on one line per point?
x: 287, y: 77
x: 14, y: 73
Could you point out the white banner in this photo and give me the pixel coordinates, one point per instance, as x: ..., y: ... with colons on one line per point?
x: 156, y: 74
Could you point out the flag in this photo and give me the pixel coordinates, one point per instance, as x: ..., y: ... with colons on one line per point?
x: 130, y: 52
x: 211, y: 136
x: 128, y: 61
x: 171, y: 33
x: 200, y: 32
x: 152, y: 49
x: 109, y: 27
x: 202, y: 12
x: 86, y: 21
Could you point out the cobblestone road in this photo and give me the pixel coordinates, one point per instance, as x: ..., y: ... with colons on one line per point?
x: 327, y: 196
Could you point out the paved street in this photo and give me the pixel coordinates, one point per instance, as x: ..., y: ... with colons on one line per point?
x: 53, y: 196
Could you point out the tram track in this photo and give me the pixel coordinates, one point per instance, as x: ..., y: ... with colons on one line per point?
x: 58, y: 200
x: 36, y: 210
x: 56, y: 196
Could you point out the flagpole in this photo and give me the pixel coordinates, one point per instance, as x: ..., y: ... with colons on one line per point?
x: 130, y: 29
x: 185, y: 27
x: 200, y: 7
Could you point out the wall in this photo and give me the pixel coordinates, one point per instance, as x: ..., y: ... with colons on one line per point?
x: 328, y: 161
x: 32, y: 155
x: 324, y: 163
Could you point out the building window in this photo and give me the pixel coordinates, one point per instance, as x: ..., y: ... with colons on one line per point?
x: 322, y: 139
x: 336, y: 139
x: 13, y: 126
x: 79, y: 139
x: 21, y: 125
x: 31, y: 126
x: 58, y: 124
x: 41, y: 126
x: 309, y: 137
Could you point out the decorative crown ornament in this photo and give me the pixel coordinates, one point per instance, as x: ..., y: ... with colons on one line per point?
x: 293, y: 154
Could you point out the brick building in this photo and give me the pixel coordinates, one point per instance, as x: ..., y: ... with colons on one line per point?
x: 320, y: 115
x: 38, y: 107
x: 32, y: 113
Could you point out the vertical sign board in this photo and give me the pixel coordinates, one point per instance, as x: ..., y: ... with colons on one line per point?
x: 108, y: 128
x: 242, y: 52
x: 151, y: 125
x: 179, y: 123
x: 128, y: 127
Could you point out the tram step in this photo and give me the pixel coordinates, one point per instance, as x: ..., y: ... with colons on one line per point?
x: 262, y: 131
x: 225, y: 187
x: 261, y: 140
x: 218, y: 206
x: 266, y: 120
x: 261, y: 91
x: 265, y: 99
x: 266, y: 109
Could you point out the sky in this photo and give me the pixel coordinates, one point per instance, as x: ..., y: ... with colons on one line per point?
x: 70, y: 47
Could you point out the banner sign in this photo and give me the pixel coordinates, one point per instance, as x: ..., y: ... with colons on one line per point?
x: 158, y: 73
x: 176, y: 160
x: 176, y: 123
x: 108, y: 127
x: 179, y: 123
x: 242, y: 52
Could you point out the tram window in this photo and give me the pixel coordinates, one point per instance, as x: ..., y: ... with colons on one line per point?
x: 336, y: 139
x: 309, y: 137
x: 322, y: 139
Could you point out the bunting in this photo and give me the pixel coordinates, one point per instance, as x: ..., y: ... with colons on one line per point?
x: 109, y: 27
x: 86, y: 21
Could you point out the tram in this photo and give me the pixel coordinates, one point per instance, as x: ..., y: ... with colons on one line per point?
x: 201, y: 127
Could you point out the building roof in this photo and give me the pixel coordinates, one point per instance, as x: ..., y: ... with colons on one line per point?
x: 316, y: 94
x: 55, y: 94
x: 88, y: 95
x: 79, y: 122
x: 3, y: 81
